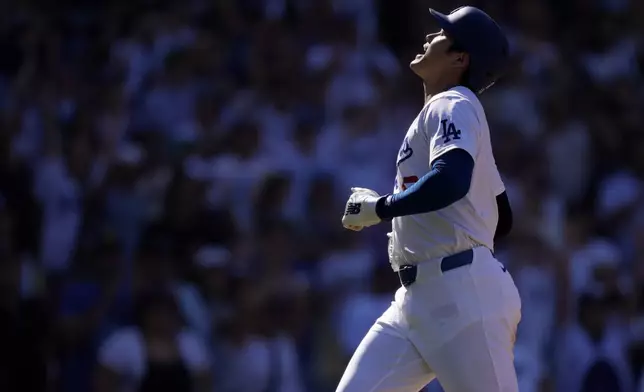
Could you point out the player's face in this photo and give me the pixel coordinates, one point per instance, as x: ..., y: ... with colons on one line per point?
x: 435, y: 59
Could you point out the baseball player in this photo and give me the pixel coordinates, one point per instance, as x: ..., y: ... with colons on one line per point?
x: 456, y: 314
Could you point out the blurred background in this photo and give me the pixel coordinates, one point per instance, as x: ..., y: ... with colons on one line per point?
x: 173, y: 174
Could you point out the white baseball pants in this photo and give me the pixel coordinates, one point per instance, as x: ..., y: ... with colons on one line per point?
x: 458, y: 326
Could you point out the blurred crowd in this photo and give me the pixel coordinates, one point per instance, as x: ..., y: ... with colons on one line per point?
x: 173, y: 174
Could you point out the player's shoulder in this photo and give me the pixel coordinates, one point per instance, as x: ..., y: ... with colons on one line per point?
x: 458, y: 96
x: 456, y: 102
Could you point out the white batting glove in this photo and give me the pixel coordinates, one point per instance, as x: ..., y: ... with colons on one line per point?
x: 360, y: 211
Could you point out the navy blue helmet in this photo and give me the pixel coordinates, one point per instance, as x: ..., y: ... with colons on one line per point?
x: 477, y: 34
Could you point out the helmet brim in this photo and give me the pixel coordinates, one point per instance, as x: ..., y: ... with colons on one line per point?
x: 446, y: 23
x: 443, y: 21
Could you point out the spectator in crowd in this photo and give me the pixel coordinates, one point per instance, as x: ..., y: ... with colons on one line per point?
x: 154, y: 354
x: 591, y: 353
x: 26, y: 333
x: 205, y: 302
x: 94, y: 300
x: 261, y: 351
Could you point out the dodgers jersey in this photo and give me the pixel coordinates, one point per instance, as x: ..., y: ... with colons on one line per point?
x: 452, y: 119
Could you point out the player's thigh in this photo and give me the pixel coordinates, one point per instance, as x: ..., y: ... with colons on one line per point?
x: 479, y: 359
x: 384, y: 362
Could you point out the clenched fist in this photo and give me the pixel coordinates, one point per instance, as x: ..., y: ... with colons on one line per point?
x: 360, y: 211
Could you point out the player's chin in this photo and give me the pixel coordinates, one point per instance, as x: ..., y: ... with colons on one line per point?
x: 417, y: 64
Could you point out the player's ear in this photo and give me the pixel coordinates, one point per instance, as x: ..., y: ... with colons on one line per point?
x: 461, y: 60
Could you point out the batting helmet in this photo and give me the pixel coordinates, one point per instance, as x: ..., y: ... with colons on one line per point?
x: 477, y: 34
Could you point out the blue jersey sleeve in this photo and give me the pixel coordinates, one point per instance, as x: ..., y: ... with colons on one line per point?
x: 447, y: 182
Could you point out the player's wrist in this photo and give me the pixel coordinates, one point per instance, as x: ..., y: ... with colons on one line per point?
x: 382, y: 208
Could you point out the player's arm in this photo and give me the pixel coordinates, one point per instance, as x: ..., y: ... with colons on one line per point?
x: 505, y: 216
x: 452, y: 129
x: 503, y: 208
x: 447, y: 182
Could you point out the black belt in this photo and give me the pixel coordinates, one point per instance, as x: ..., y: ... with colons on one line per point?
x: 407, y: 273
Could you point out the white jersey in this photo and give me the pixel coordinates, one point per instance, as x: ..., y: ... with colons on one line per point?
x: 449, y: 120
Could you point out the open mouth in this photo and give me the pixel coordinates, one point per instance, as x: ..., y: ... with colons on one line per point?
x: 421, y: 54
x: 425, y: 48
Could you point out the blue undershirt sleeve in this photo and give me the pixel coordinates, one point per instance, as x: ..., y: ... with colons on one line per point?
x: 447, y: 182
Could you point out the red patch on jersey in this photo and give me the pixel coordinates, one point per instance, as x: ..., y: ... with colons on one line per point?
x: 411, y: 180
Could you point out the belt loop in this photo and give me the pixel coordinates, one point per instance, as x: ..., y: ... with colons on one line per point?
x: 407, y: 274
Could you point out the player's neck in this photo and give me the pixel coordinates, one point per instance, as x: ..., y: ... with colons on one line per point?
x: 431, y: 89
